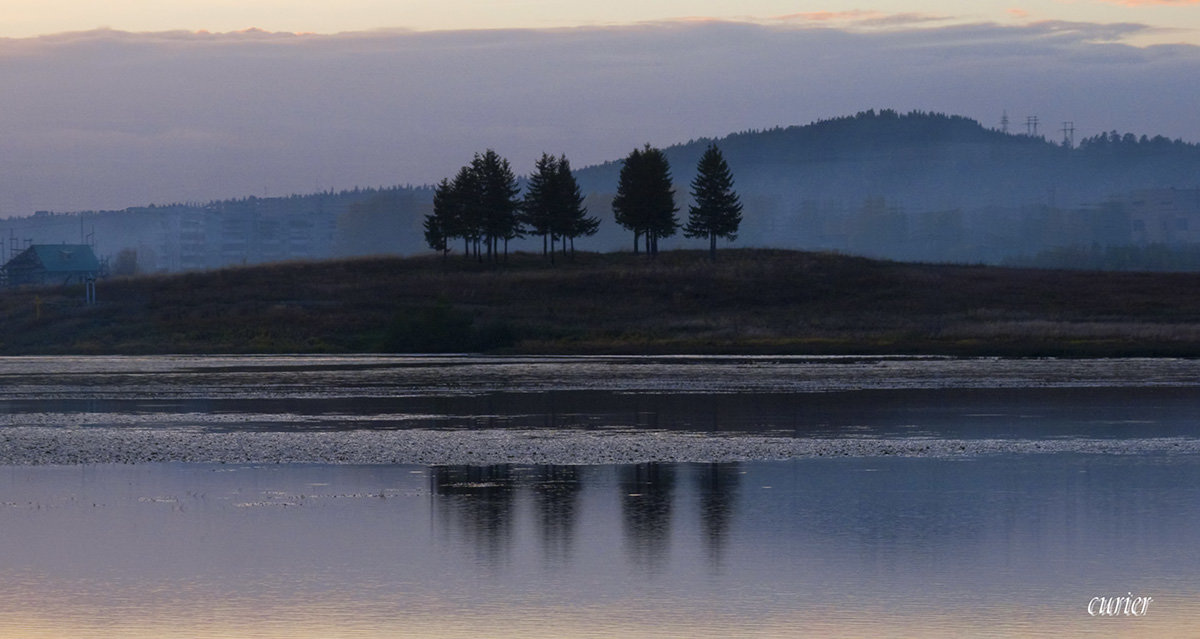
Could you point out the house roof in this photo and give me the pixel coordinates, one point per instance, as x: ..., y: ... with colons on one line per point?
x: 65, y: 258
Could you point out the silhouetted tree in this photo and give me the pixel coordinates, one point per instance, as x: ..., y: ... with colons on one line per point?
x: 466, y: 218
x: 717, y: 212
x: 439, y: 225
x: 479, y: 205
x: 570, y: 219
x: 645, y: 199
x: 537, y: 209
x: 498, y: 203
x: 553, y: 205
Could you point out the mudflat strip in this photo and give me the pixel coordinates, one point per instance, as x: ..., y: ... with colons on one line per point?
x: 60, y: 446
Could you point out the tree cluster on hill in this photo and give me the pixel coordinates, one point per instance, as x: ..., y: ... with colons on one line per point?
x: 480, y: 207
x: 645, y: 200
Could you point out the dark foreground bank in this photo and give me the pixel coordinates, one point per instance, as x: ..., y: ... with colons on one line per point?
x: 750, y: 301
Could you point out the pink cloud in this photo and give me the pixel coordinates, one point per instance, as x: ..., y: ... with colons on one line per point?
x: 832, y: 16
x: 860, y: 17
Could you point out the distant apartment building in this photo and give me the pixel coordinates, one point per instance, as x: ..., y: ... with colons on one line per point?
x: 1165, y: 216
x: 190, y: 236
x: 252, y: 231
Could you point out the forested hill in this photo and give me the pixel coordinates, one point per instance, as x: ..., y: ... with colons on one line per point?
x: 926, y: 161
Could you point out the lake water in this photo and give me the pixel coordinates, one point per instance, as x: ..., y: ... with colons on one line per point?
x: 871, y: 544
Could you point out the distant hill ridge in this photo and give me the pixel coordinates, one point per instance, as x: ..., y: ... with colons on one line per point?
x: 924, y: 160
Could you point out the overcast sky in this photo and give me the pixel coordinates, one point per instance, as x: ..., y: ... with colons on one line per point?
x: 135, y: 114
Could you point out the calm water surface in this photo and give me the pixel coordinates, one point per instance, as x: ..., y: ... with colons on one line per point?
x: 851, y: 547
x: 1000, y: 545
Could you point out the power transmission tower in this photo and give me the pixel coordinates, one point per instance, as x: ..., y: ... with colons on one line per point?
x: 1031, y: 125
x: 1004, y: 122
x: 1068, y: 132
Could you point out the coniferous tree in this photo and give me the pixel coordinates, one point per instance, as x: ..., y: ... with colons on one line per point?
x: 553, y: 205
x: 435, y: 235
x: 537, y: 209
x: 645, y: 199
x: 465, y: 202
x: 570, y: 219
x: 717, y: 212
x: 439, y: 223
x: 479, y: 206
x: 498, y: 201
x: 626, y: 210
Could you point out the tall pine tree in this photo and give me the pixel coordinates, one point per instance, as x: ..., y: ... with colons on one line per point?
x: 717, y: 211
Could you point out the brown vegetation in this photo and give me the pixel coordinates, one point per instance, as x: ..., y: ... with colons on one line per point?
x: 750, y: 301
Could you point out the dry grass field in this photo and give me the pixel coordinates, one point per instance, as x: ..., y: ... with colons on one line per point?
x: 749, y: 301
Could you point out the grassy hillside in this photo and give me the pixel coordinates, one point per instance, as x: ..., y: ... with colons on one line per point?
x: 751, y: 301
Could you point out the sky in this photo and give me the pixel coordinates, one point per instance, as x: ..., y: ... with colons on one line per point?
x: 132, y: 102
x: 24, y: 18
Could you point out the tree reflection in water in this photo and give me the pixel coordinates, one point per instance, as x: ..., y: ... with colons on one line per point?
x: 477, y: 502
x: 718, y: 484
x: 646, y: 495
x: 556, y: 495
x: 479, y: 505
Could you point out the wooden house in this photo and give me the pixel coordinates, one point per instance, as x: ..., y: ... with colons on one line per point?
x: 53, y: 264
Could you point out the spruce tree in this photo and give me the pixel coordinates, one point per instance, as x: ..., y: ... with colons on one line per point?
x: 438, y: 224
x: 537, y: 209
x: 466, y: 197
x: 717, y: 211
x: 625, y: 205
x: 570, y: 219
x: 498, y: 203
x: 645, y: 199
